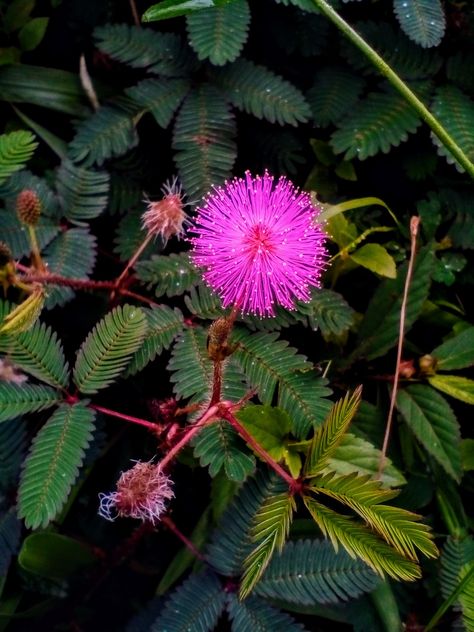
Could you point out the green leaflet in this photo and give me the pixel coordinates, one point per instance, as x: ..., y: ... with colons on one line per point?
x: 422, y: 20
x: 219, y: 33
x: 382, y: 120
x: 360, y: 541
x: 303, y: 396
x: 270, y: 530
x: 457, y: 559
x: 199, y: 602
x: 108, y: 133
x: 399, y: 527
x: 329, y: 312
x: 109, y: 347
x: 53, y: 463
x: 334, y: 93
x: 17, y: 400
x: 327, y: 437
x: 455, y: 111
x: 16, y: 148
x: 461, y: 388
x: 171, y: 275
x: 310, y: 571
x: 220, y: 447
x: 164, y: 324
x: 258, y: 91
x: 456, y: 352
x: 431, y: 419
x: 204, y: 141
x: 256, y: 614
x: 71, y: 254
x: 38, y: 352
x: 379, y: 329
x: 266, y: 360
x: 161, y: 97
x: 83, y: 193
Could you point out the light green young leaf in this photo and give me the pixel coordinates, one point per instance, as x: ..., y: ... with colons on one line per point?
x: 32, y: 33
x: 175, y: 8
x: 375, y: 257
x: 269, y: 426
x: 461, y: 388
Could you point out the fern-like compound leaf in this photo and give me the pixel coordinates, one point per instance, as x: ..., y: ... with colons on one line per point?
x: 39, y: 353
x: 422, y: 20
x: 160, y: 53
x: 83, y: 193
x: 265, y: 361
x: 109, y: 347
x: 220, y: 447
x: 202, y: 302
x: 16, y: 148
x: 231, y: 542
x: 19, y: 399
x: 219, y: 33
x: 171, y: 275
x: 203, y: 141
x: 360, y: 541
x: 303, y: 395
x: 381, y: 121
x: 16, y: 237
x: 434, y: 424
x: 258, y: 91
x: 257, y: 614
x: 455, y: 111
x: 310, y: 571
x: 161, y: 97
x: 457, y: 559
x: 399, y: 527
x: 334, y: 93
x: 270, y: 530
x: 196, y: 605
x: 192, y: 369
x: 328, y: 437
x: 72, y: 255
x: 108, y: 133
x: 53, y: 463
x: 329, y: 312
x: 164, y: 324
x: 378, y: 331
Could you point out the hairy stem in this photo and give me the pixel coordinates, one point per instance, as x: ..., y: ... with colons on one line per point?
x: 398, y: 84
x: 414, y: 224
x: 294, y: 485
x: 133, y: 420
x: 216, y: 383
x: 133, y: 259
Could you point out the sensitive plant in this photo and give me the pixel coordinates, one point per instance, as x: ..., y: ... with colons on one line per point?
x: 236, y: 398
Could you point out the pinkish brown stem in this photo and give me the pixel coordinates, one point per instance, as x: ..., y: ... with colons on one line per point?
x: 133, y: 420
x: 186, y: 541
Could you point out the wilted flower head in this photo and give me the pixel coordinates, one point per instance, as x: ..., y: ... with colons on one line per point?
x: 141, y: 493
x: 166, y: 217
x: 259, y: 244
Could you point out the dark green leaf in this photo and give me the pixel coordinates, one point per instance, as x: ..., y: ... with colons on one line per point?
x: 16, y: 400
x: 456, y: 352
x: 54, y: 556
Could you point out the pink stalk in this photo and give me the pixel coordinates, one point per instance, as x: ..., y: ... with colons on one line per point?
x: 186, y: 541
x: 134, y: 420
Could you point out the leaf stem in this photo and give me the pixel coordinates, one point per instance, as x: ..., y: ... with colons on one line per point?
x: 133, y: 259
x: 414, y: 224
x: 134, y: 420
x: 294, y: 484
x: 382, y: 66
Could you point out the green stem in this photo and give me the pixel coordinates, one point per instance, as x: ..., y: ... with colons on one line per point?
x: 398, y: 84
x: 387, y: 608
x: 451, y: 600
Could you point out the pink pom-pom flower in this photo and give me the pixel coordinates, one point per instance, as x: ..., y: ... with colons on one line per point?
x: 142, y: 493
x: 259, y: 244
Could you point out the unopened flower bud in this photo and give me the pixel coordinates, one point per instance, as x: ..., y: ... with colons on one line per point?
x: 141, y: 493
x: 166, y: 217
x: 28, y: 207
x: 427, y: 364
x: 218, y: 347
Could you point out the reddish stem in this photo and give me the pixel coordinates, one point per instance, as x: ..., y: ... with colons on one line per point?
x: 186, y: 541
x: 193, y: 430
x: 134, y: 420
x: 216, y: 383
x: 294, y: 485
